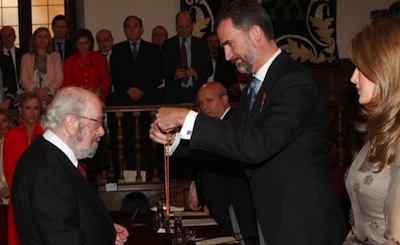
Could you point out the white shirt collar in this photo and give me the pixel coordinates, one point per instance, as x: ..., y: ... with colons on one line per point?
x: 56, y: 141
x: 262, y: 72
x: 5, y: 50
x: 226, y: 111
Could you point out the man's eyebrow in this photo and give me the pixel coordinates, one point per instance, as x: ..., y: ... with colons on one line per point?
x: 226, y: 42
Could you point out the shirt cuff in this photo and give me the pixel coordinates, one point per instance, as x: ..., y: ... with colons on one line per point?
x: 174, y: 145
x: 188, y: 125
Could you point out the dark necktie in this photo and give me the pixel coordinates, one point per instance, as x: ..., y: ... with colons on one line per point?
x: 82, y: 170
x: 134, y: 51
x: 59, y: 46
x: 252, y: 91
x: 184, y: 60
x: 15, y: 67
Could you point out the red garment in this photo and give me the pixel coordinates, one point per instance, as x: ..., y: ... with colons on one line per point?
x: 90, y: 72
x: 15, y: 143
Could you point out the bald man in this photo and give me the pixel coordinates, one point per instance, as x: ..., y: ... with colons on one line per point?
x: 105, y: 42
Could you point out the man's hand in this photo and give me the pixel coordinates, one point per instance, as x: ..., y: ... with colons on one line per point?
x: 135, y: 93
x: 191, y: 73
x: 122, y: 234
x: 169, y: 118
x: 159, y: 136
x: 180, y: 73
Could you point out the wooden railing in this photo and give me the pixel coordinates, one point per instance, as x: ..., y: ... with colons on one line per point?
x: 338, y: 149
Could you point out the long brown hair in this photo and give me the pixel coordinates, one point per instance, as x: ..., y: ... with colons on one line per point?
x: 376, y: 53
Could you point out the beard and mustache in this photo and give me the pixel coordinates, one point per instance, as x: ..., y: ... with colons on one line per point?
x: 80, y: 151
x: 247, y: 61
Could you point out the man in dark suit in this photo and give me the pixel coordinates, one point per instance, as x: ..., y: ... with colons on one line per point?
x: 15, y: 55
x: 135, y: 69
x: 221, y: 182
x: 61, y: 43
x: 53, y: 202
x: 8, y: 85
x: 223, y: 71
x: 183, y: 78
x: 279, y: 138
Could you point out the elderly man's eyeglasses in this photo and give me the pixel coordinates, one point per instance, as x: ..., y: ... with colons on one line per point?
x: 99, y: 122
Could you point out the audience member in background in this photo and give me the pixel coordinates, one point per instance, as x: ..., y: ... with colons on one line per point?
x: 278, y: 134
x: 223, y: 71
x: 87, y: 68
x: 373, y: 179
x: 8, y: 37
x: 221, y: 183
x: 54, y: 204
x: 15, y: 142
x: 8, y: 87
x: 5, y: 124
x: 135, y: 72
x: 41, y: 68
x: 186, y: 62
x: 61, y: 43
x: 105, y: 41
x: 159, y: 35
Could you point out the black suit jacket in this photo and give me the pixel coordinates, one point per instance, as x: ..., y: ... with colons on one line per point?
x: 225, y: 71
x: 281, y: 143
x: 145, y: 74
x: 9, y: 80
x: 54, y: 203
x: 201, y: 62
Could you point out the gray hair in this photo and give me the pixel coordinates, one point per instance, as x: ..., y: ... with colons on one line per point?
x: 70, y: 100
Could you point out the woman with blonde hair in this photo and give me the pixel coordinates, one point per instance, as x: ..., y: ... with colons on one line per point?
x: 373, y: 179
x: 16, y: 141
x: 41, y: 68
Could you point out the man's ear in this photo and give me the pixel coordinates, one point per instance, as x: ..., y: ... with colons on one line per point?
x: 255, y: 33
x: 225, y: 100
x: 70, y: 124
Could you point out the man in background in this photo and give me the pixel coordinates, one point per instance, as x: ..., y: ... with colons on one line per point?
x: 159, y: 35
x: 186, y: 62
x: 53, y: 202
x: 12, y: 55
x: 61, y: 44
x: 105, y: 42
x: 135, y: 69
x: 223, y: 70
